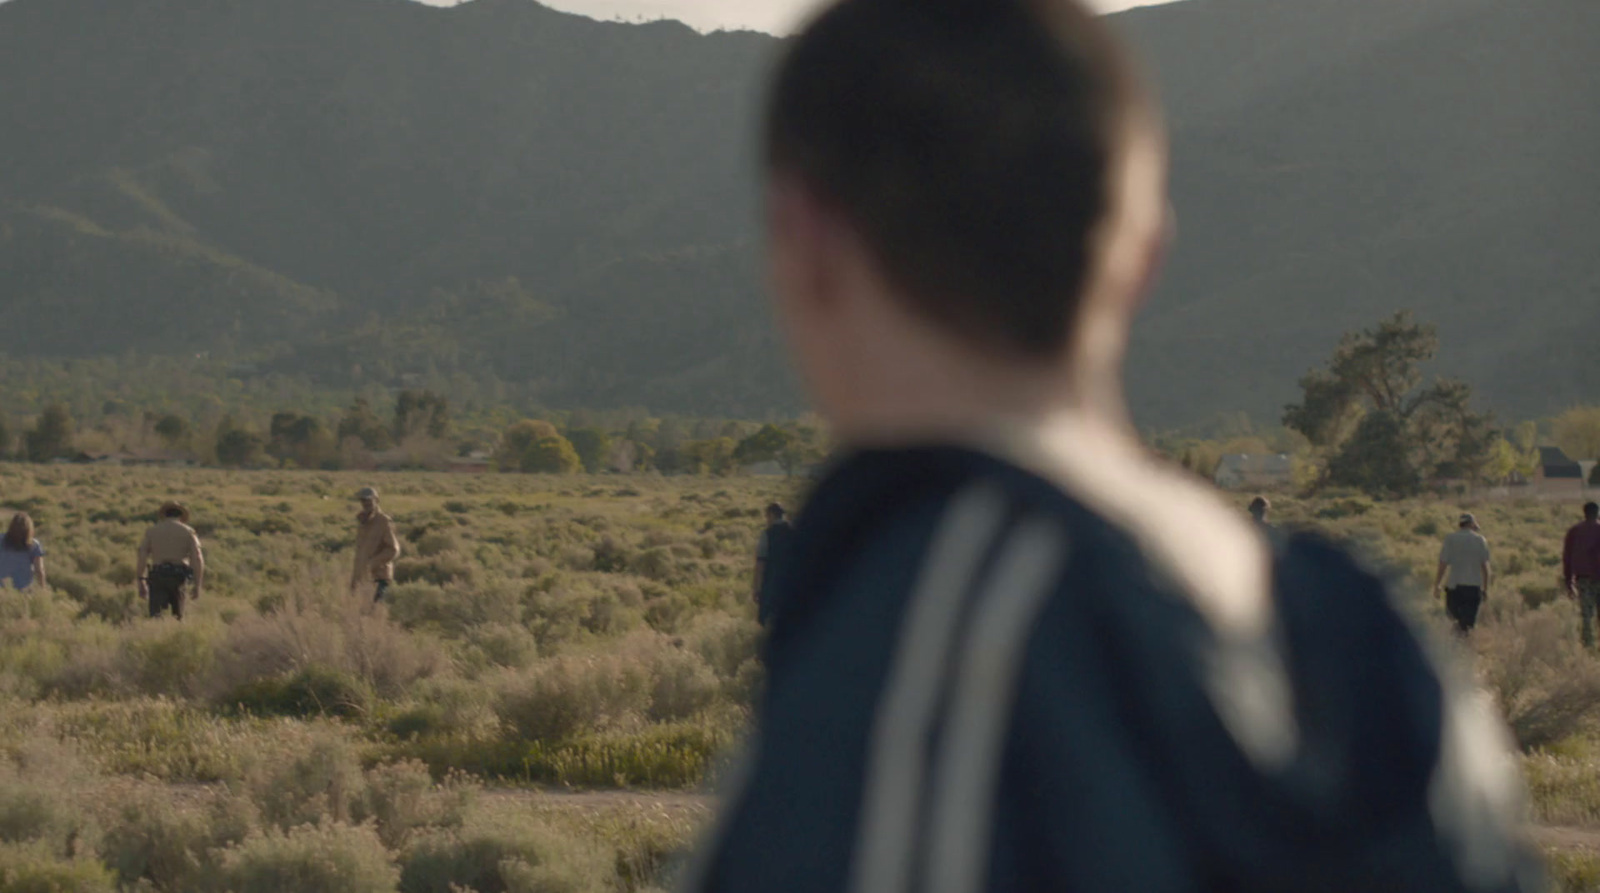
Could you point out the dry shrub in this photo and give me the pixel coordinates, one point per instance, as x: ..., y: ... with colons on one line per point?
x: 323, y: 858
x: 344, y: 634
x: 681, y: 685
x: 1565, y: 788
x: 167, y: 658
x: 1573, y: 871
x: 505, y: 644
x: 567, y: 696
x: 314, y: 775
x: 31, y: 868
x: 402, y: 799
x: 170, y: 843
x: 726, y: 642
x: 508, y: 853
x: 41, y: 794
x: 1547, y: 685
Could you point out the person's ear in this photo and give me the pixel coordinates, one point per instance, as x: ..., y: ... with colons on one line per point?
x: 1154, y: 260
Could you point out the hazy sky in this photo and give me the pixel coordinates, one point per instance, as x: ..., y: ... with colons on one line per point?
x: 762, y: 15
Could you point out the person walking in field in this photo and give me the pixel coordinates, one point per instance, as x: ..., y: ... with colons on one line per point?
x: 1580, y: 567
x: 1011, y: 650
x: 22, y: 556
x: 771, y: 556
x: 1464, y: 573
x: 170, y: 558
x: 377, y: 547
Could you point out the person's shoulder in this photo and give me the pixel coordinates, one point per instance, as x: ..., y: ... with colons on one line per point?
x: 36, y: 548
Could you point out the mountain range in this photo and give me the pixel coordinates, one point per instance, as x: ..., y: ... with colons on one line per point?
x: 357, y: 192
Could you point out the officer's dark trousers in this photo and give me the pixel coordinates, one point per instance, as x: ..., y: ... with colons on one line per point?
x: 166, y: 592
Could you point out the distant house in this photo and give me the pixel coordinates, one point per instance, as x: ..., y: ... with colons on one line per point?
x: 1557, y: 471
x: 764, y: 469
x: 472, y: 463
x: 1254, y: 472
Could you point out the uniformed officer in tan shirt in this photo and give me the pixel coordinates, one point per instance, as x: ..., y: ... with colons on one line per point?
x: 376, y: 546
x: 170, y: 557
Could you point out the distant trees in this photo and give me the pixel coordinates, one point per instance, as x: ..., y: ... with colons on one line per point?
x: 1577, y: 432
x: 551, y: 455
x: 51, y: 437
x: 421, y: 413
x: 172, y: 429
x: 1380, y: 429
x: 362, y: 424
x: 239, y: 447
x: 299, y: 439
x: 593, y: 448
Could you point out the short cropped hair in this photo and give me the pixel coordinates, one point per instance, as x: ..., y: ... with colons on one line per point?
x: 1591, y: 510
x: 971, y: 143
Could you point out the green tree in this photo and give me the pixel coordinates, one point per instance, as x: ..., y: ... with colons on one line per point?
x: 1370, y: 397
x: 714, y: 456
x: 51, y: 437
x: 593, y: 446
x: 300, y: 439
x: 1376, y: 457
x: 421, y: 412
x: 519, y: 438
x: 1577, y: 432
x: 172, y: 429
x: 361, y: 423
x: 239, y: 447
x: 766, y: 445
x: 551, y: 455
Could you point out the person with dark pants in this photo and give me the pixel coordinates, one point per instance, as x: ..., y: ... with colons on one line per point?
x: 170, y: 558
x: 1580, y: 568
x: 1464, y: 573
x: 771, y: 558
x: 1010, y: 650
x: 377, y: 546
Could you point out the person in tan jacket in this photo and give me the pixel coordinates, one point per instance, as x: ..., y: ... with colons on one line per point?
x: 376, y: 546
x: 170, y: 558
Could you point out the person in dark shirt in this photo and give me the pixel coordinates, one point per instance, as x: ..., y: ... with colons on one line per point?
x: 1580, y: 567
x: 1012, y: 651
x: 771, y: 553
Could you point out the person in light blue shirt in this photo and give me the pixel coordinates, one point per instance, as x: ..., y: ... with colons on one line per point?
x: 21, y: 556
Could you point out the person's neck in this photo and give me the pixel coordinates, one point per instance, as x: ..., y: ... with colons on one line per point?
x: 920, y: 395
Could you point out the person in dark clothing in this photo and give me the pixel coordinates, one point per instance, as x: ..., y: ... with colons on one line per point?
x: 1012, y: 651
x: 1260, y: 508
x: 1580, y: 567
x: 771, y: 553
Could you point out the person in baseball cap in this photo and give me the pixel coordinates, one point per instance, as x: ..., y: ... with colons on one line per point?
x: 376, y: 546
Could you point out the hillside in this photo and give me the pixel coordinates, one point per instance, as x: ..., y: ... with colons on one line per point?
x: 356, y: 190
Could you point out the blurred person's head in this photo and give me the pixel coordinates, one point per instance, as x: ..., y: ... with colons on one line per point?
x: 1259, y: 507
x: 1591, y: 511
x: 19, y: 536
x: 775, y: 513
x: 368, y: 498
x: 966, y: 200
x: 1468, y: 522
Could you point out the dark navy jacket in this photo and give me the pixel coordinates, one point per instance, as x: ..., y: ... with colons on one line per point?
x: 977, y: 684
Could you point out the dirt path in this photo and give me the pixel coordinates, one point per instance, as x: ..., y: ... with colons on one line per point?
x: 1557, y: 837
x: 1568, y: 838
x: 669, y: 801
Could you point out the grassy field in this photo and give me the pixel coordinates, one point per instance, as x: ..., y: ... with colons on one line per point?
x: 547, y: 634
